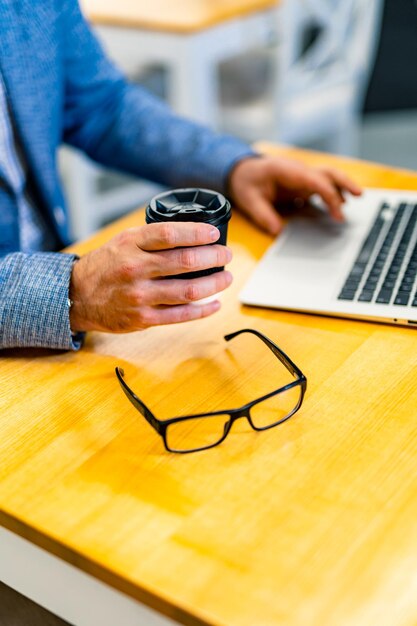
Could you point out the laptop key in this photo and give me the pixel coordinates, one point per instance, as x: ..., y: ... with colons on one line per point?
x: 384, y: 296
x: 406, y: 287
x: 369, y: 287
x: 402, y: 298
x: 346, y: 294
x: 366, y: 296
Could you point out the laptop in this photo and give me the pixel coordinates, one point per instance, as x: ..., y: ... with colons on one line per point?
x: 365, y: 268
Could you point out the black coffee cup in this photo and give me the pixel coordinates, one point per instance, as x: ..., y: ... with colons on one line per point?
x: 192, y: 205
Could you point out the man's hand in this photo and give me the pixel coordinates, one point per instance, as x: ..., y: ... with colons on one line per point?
x: 121, y: 286
x: 258, y: 185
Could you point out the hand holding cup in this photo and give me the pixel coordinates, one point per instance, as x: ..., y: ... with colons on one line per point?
x: 136, y: 280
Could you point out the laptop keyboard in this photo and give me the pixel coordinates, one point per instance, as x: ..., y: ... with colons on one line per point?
x: 385, y: 269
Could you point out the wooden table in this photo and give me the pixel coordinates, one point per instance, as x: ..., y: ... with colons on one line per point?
x: 312, y: 523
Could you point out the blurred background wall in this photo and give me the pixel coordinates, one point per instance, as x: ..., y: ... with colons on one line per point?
x: 389, y: 132
x: 334, y: 75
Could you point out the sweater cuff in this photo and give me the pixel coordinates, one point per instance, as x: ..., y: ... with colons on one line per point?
x: 229, y: 153
x: 34, y: 309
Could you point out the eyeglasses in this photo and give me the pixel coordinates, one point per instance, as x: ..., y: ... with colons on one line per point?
x: 192, y: 433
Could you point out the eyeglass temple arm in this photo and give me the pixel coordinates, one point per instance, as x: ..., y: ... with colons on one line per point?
x: 137, y: 402
x: 285, y: 360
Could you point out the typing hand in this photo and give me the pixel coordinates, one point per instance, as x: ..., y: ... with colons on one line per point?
x: 121, y: 287
x: 257, y: 185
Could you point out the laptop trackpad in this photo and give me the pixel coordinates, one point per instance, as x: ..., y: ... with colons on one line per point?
x: 314, y: 239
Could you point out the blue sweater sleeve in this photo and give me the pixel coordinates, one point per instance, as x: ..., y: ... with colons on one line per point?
x: 34, y: 309
x: 123, y: 126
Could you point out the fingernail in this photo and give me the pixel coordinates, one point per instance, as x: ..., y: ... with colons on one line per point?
x: 214, y: 234
x: 229, y: 255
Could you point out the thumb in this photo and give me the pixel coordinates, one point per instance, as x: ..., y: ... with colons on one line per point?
x: 261, y: 211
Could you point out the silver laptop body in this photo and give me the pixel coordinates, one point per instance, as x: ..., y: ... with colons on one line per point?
x: 365, y: 268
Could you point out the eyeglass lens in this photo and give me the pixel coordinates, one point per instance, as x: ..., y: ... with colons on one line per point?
x: 275, y: 409
x: 195, y: 433
x: 206, y: 431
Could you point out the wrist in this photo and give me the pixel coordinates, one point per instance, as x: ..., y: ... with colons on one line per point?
x: 77, y: 322
x: 234, y: 170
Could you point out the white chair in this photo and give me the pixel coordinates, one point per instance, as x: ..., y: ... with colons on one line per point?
x: 324, y: 56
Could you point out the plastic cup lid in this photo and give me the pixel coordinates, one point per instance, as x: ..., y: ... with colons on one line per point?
x: 189, y: 205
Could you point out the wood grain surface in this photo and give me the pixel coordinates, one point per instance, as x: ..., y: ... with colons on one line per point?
x: 310, y: 524
x: 186, y: 16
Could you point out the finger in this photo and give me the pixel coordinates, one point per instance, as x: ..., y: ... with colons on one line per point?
x: 184, y: 260
x: 166, y: 235
x: 181, y: 291
x: 263, y: 213
x: 343, y: 181
x: 152, y: 316
x: 319, y: 183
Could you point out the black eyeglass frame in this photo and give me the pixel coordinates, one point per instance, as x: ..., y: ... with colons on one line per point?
x: 161, y: 426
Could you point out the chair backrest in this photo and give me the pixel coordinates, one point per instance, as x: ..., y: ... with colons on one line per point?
x: 327, y: 41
